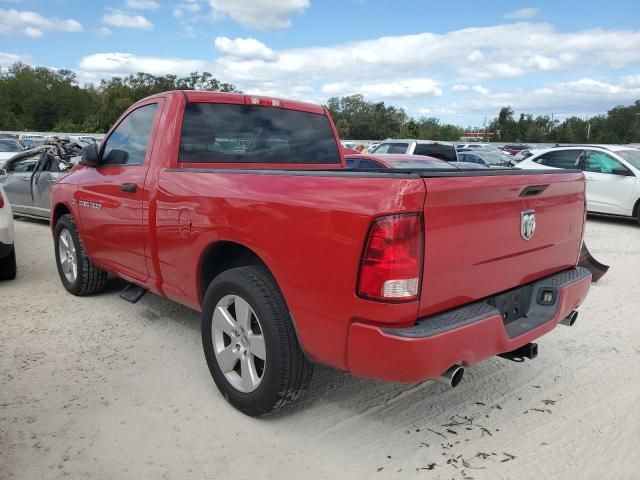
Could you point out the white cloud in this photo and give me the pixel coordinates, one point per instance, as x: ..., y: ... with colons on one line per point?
x: 33, y: 32
x: 117, y: 63
x: 120, y: 19
x: 585, y: 96
x: 186, y: 7
x: 521, y: 14
x: 396, y: 89
x: 32, y: 24
x: 630, y: 81
x: 260, y: 14
x: 245, y: 48
x: 142, y: 4
x: 479, y: 89
x: 404, y: 69
x: 8, y: 59
x: 104, y: 31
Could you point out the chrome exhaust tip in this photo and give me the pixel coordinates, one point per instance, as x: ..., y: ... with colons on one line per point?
x: 452, y: 377
x: 570, y: 320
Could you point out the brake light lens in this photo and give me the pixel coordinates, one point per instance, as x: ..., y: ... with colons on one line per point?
x: 1, y: 200
x: 262, y: 101
x: 391, y: 263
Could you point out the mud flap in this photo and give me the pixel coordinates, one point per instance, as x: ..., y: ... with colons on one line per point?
x: 587, y: 261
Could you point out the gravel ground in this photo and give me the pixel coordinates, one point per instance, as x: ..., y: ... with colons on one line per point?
x: 99, y: 388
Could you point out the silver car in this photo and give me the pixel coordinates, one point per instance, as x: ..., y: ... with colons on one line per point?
x: 27, y: 180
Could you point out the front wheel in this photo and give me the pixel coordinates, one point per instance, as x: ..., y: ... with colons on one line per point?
x: 250, y: 344
x: 79, y: 276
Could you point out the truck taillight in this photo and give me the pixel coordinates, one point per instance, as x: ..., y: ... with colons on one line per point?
x: 391, y: 263
x: 1, y: 200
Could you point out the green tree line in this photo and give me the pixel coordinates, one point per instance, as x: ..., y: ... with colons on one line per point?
x: 620, y: 125
x: 45, y: 99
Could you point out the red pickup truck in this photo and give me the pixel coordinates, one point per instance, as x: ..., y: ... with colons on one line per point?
x: 242, y: 207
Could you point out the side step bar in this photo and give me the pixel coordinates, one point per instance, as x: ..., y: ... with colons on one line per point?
x: 132, y: 293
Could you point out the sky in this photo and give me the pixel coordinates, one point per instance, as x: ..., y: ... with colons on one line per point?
x: 459, y: 61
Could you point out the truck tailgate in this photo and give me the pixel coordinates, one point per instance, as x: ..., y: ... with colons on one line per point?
x: 474, y: 247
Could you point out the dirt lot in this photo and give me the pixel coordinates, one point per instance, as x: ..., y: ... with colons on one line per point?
x: 98, y: 388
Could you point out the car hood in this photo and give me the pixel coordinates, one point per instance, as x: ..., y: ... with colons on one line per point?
x: 7, y: 155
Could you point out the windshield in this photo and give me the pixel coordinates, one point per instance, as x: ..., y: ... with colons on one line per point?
x: 494, y: 158
x: 10, y: 146
x: 631, y: 156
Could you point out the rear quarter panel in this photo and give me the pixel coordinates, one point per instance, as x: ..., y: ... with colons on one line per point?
x: 308, y: 229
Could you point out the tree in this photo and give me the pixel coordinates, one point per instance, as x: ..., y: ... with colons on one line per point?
x: 44, y: 99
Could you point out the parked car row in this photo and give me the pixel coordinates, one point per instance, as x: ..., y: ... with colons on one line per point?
x: 28, y: 176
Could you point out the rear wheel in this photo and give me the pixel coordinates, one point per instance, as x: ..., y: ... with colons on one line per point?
x: 79, y: 276
x: 250, y: 344
x: 8, y: 267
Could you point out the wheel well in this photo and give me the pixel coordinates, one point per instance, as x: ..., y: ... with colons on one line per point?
x: 58, y: 211
x: 636, y: 207
x: 222, y: 256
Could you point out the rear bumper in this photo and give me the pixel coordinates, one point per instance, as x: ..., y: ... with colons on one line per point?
x: 466, y: 335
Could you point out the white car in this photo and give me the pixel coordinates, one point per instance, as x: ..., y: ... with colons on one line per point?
x: 612, y: 173
x: 7, y: 251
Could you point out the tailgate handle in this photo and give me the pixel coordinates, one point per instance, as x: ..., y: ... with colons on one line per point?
x: 533, y: 190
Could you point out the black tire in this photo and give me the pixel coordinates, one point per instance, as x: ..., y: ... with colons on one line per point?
x: 287, y: 372
x: 8, y: 268
x: 90, y: 279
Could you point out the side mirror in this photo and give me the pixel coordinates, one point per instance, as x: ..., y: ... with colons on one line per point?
x: 3, y: 172
x: 623, y: 172
x: 90, y: 155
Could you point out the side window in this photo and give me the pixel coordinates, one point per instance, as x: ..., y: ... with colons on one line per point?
x: 369, y: 164
x: 560, y: 159
x: 600, y: 162
x: 398, y: 147
x: 128, y: 143
x: 382, y: 148
x: 351, y: 163
x: 25, y: 165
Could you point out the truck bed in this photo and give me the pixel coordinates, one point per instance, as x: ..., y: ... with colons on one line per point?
x: 309, y: 226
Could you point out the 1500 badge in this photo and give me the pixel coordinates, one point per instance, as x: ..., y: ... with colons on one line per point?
x: 84, y: 203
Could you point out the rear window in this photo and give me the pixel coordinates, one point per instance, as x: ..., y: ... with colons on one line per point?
x: 437, y: 150
x: 221, y: 133
x: 560, y: 159
x: 391, y: 148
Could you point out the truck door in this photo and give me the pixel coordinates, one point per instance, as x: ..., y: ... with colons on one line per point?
x: 111, y: 197
x: 17, y: 183
x: 46, y: 173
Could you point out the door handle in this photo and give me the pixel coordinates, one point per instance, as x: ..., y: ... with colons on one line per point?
x: 129, y: 187
x: 25, y: 179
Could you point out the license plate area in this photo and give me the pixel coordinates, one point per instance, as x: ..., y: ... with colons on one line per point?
x: 514, y: 304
